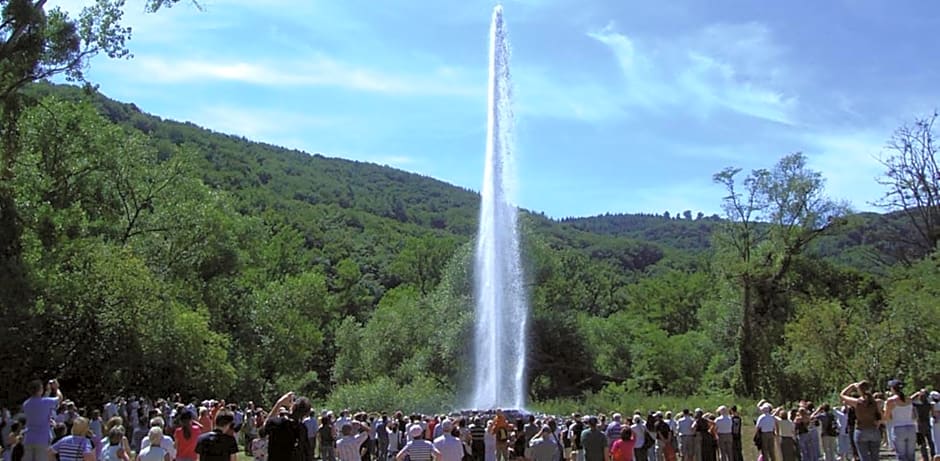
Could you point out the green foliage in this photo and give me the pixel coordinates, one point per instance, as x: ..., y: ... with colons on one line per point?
x: 381, y: 393
x: 160, y: 257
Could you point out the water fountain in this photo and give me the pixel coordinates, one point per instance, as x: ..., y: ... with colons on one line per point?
x: 501, y: 304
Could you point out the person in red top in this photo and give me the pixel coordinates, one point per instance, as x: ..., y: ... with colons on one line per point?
x: 622, y: 450
x: 185, y: 438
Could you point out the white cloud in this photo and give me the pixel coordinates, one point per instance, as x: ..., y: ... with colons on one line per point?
x: 722, y: 67
x: 258, y: 123
x: 318, y: 70
x: 848, y: 160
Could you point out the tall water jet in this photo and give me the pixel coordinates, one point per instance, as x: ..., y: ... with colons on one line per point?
x: 501, y: 305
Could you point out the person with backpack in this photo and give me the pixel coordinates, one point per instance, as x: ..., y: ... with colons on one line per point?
x: 574, y: 434
x: 829, y: 428
x: 502, y: 431
x: 326, y: 436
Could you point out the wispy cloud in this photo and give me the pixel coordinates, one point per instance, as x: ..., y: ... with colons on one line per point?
x: 317, y: 70
x: 722, y: 67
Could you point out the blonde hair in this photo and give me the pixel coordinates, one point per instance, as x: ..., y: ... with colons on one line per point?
x: 156, y: 436
x: 80, y: 426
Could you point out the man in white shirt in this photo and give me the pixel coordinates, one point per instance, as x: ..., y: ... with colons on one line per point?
x: 723, y: 428
x: 686, y: 435
x: 766, y: 424
x: 451, y: 447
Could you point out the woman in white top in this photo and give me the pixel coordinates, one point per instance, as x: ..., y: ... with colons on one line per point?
x: 154, y: 452
x: 900, y: 412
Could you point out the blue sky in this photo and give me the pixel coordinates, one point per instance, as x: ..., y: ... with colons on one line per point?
x: 621, y: 106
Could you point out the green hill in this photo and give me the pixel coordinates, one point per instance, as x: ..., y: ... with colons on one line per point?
x: 177, y: 259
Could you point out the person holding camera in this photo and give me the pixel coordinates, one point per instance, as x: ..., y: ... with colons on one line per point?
x: 287, y: 436
x: 39, y: 410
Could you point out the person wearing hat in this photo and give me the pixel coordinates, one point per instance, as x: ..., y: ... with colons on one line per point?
x: 899, y: 412
x: 418, y: 449
x: 75, y: 447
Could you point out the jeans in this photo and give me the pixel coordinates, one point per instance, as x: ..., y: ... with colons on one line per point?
x: 867, y: 442
x: 904, y: 442
x: 844, y: 446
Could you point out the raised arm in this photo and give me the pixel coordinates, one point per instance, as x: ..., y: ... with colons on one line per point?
x: 848, y: 399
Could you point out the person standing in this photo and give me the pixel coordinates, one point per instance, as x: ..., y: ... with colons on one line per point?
x: 613, y: 429
x: 477, y: 434
x: 766, y: 427
x: 899, y: 411
x: 418, y: 449
x: 622, y: 450
x: 686, y: 436
x: 380, y: 433
x: 594, y: 442
x: 287, y: 436
x: 75, y: 447
x: 723, y: 426
x: 450, y: 447
x: 736, y: 423
x: 640, y: 448
x: 867, y: 417
x: 219, y: 444
x: 349, y: 446
x: 39, y: 411
x: 544, y: 445
x: 923, y: 407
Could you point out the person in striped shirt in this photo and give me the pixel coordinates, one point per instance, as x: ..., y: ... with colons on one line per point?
x: 349, y: 447
x: 418, y: 449
x: 76, y: 447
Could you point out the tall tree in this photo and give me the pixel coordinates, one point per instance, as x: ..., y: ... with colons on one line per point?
x: 770, y: 222
x: 913, y: 179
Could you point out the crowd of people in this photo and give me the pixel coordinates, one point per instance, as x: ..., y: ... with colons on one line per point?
x: 49, y: 427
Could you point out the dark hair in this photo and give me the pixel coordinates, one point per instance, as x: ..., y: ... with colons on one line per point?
x: 224, y: 418
x: 301, y: 408
x: 186, y: 419
x: 626, y: 433
x: 864, y: 388
x: 34, y: 386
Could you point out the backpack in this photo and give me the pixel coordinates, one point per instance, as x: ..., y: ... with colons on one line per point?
x: 502, y: 434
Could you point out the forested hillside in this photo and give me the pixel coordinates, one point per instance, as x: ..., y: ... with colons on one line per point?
x: 157, y: 256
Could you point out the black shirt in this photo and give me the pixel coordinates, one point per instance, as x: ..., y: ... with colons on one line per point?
x: 287, y: 440
x: 216, y: 446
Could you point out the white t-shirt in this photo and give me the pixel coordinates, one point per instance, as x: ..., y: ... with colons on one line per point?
x: 766, y: 423
x: 451, y: 447
x: 723, y: 424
